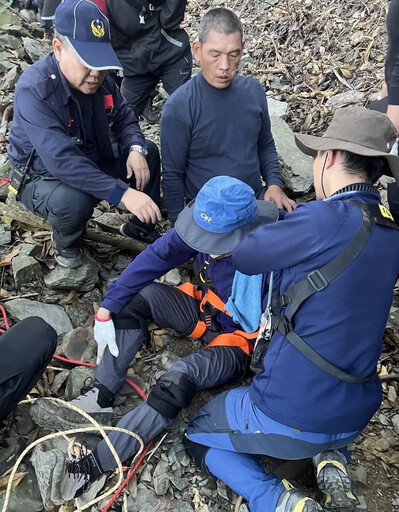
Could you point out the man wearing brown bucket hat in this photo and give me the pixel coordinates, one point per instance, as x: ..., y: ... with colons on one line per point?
x: 334, y: 263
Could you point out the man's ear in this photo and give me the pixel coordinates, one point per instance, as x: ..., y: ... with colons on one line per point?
x: 197, y: 51
x: 57, y: 48
x: 332, y: 156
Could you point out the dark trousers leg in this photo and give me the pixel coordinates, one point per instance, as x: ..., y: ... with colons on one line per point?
x: 67, y: 209
x: 111, y: 372
x: 393, y: 201
x: 117, y: 169
x: 207, y: 368
x: 137, y: 90
x: 178, y: 73
x: 25, y: 349
x: 153, y: 188
x: 168, y: 307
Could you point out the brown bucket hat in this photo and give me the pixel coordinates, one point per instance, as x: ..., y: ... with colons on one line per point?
x: 358, y: 130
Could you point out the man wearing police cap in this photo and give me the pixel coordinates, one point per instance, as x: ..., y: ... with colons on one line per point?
x: 75, y: 141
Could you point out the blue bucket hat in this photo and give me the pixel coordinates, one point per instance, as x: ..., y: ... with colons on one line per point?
x: 87, y: 30
x: 224, y: 213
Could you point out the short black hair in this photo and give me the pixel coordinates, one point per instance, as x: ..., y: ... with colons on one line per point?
x: 220, y: 20
x: 370, y: 168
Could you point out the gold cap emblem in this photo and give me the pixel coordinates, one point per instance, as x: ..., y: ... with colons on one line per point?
x: 97, y: 27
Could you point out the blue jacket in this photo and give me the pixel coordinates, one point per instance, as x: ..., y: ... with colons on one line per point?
x: 344, y: 323
x: 207, y: 132
x: 47, y: 117
x: 166, y: 253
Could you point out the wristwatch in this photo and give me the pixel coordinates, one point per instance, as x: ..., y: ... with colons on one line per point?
x: 140, y: 149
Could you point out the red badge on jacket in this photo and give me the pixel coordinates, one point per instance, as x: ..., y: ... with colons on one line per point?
x: 108, y: 102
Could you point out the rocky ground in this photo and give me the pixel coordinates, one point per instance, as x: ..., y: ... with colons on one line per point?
x: 313, y: 57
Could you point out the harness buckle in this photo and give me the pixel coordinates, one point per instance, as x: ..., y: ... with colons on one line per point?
x: 317, y: 280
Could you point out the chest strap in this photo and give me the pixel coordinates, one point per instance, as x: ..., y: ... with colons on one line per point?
x: 319, y: 280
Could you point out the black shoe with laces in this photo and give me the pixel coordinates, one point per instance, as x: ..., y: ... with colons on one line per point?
x: 146, y: 233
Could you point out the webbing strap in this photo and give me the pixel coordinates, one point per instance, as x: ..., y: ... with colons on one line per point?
x: 320, y: 279
x: 320, y: 362
x: 316, y: 281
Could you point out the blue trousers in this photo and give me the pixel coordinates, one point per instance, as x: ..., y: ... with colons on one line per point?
x: 236, y: 431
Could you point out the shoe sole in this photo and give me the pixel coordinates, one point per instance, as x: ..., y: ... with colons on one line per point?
x: 50, y: 415
x: 337, y: 489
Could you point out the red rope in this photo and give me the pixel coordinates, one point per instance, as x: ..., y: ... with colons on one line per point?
x: 4, y: 182
x: 6, y: 324
x: 127, y: 479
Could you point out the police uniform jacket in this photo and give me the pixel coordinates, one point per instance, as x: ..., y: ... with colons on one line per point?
x: 47, y: 118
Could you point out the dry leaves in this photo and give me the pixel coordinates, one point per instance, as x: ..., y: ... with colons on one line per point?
x: 306, y: 51
x: 7, y: 259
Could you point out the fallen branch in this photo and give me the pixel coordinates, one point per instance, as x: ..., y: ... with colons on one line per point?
x: 20, y: 214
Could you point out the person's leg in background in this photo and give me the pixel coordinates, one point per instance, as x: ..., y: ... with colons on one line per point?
x: 148, y: 113
x: 177, y: 73
x: 393, y: 201
x: 137, y: 90
x: 26, y: 349
x: 67, y: 209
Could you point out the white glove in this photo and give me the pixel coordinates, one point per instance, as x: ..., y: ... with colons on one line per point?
x: 105, y: 336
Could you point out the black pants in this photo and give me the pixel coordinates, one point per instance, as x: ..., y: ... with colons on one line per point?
x: 25, y: 349
x: 137, y: 89
x: 393, y: 201
x: 392, y: 60
x: 68, y: 209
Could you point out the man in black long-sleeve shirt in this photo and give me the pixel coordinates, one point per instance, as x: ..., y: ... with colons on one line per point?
x: 218, y: 122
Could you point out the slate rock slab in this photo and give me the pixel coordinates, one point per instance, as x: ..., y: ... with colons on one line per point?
x: 52, y: 314
x: 26, y: 496
x: 277, y: 108
x: 79, y: 344
x: 36, y: 49
x: 147, y: 501
x: 83, y: 278
x: 297, y: 168
x: 25, y: 270
x: 78, y: 377
x: 7, y: 83
x: 344, y: 99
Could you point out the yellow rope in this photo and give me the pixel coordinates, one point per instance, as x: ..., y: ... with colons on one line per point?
x: 96, y: 427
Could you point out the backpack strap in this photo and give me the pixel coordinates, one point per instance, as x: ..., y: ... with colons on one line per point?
x: 318, y: 280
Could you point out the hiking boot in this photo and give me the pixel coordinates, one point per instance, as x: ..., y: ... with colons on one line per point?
x: 149, y: 113
x: 55, y: 416
x: 68, y: 258
x: 292, y: 500
x: 146, y: 233
x: 333, y: 480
